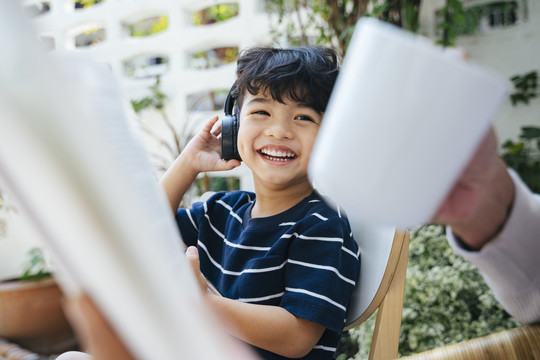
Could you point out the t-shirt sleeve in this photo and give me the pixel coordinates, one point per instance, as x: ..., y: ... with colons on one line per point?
x: 188, y: 221
x: 188, y: 226
x: 321, y: 273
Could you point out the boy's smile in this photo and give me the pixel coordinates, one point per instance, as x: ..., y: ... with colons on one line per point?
x: 275, y: 140
x: 277, y: 153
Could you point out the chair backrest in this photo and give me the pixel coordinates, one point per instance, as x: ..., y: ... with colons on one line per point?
x: 384, y: 254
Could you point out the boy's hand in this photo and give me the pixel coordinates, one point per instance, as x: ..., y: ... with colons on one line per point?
x: 203, y: 152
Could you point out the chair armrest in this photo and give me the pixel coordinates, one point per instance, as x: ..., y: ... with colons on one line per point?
x: 514, y: 344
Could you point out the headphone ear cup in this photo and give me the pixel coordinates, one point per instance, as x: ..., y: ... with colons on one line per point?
x: 229, y: 137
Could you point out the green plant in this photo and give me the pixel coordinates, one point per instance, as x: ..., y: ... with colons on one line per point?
x: 159, y: 24
x: 216, y: 183
x: 215, y: 14
x: 332, y: 22
x: 446, y: 300
x: 84, y: 4
x: 156, y: 100
x: 214, y: 58
x: 36, y: 267
x: 526, y: 88
x: 452, y: 18
x: 523, y: 156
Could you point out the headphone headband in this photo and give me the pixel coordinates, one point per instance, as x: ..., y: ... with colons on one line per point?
x: 229, y: 129
x: 229, y: 101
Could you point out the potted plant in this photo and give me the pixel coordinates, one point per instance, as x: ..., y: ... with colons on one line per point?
x: 31, y: 314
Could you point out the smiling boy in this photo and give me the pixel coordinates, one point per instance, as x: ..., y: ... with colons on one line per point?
x: 284, y: 261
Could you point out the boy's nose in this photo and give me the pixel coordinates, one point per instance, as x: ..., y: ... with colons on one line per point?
x: 279, y: 129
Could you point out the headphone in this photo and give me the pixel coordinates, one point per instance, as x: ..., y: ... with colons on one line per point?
x: 229, y: 129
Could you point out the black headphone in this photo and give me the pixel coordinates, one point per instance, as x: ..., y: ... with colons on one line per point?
x: 229, y: 129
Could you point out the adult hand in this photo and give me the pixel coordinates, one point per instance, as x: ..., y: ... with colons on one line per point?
x: 480, y: 201
x: 98, y: 338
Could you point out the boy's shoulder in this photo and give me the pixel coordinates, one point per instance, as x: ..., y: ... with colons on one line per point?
x: 319, y: 211
x: 324, y: 219
x: 325, y: 206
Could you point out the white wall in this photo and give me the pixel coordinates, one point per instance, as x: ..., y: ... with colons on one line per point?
x: 181, y: 38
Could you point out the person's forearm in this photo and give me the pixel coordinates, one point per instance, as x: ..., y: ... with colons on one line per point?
x: 509, y: 262
x: 268, y: 327
x: 489, y: 217
x: 177, y: 180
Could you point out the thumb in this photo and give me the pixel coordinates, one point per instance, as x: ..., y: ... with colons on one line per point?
x: 192, y: 256
x: 224, y: 165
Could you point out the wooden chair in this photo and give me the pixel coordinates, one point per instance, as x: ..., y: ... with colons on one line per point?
x: 384, y: 254
x: 514, y: 344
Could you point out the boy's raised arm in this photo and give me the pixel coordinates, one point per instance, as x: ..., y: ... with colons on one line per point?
x: 202, y: 153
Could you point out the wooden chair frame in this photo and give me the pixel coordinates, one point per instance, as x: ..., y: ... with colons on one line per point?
x: 388, y: 285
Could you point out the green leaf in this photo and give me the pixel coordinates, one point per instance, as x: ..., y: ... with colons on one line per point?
x: 36, y: 267
x: 530, y: 132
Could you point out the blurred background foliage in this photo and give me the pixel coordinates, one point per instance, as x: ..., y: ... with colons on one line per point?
x: 446, y: 301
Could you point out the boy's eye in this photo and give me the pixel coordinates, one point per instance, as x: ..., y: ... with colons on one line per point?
x: 261, y: 112
x: 305, y: 118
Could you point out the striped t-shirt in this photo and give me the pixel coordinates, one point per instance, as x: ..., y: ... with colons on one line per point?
x: 303, y: 259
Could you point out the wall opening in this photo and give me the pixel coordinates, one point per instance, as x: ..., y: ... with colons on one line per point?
x: 215, y: 14
x: 212, y: 58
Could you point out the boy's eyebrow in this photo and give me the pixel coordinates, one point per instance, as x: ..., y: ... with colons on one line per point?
x: 263, y: 100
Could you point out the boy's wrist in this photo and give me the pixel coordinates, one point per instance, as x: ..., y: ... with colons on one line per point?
x: 185, y: 165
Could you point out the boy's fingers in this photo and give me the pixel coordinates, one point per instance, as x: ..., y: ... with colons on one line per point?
x: 217, y: 129
x: 223, y: 164
x: 210, y: 124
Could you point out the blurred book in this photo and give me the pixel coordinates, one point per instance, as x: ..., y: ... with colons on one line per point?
x: 78, y: 171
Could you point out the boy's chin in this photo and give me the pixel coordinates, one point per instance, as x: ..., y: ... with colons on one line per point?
x: 285, y: 183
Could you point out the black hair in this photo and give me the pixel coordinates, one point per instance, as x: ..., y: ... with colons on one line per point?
x: 305, y: 75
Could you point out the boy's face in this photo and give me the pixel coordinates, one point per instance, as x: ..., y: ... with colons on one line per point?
x: 275, y: 139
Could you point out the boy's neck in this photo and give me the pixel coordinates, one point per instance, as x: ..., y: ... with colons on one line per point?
x: 271, y: 201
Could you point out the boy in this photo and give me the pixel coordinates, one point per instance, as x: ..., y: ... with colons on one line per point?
x: 284, y: 261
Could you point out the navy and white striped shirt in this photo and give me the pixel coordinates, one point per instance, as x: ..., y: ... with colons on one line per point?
x: 303, y: 259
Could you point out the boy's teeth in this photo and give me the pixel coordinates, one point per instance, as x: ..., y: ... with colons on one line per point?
x: 274, y: 153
